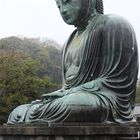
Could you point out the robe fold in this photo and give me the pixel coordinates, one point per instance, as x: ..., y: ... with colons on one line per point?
x: 109, y: 65
x: 104, y: 87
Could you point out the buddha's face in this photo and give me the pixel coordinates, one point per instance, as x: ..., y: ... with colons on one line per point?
x: 72, y: 11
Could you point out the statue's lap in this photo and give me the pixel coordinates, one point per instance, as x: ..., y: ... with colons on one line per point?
x: 76, y: 107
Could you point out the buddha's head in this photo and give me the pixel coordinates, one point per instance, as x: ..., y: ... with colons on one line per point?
x: 78, y: 12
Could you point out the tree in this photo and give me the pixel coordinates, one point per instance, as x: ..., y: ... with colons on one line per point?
x: 21, y: 80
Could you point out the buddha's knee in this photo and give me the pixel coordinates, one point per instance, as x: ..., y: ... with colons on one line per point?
x: 17, y: 115
x: 84, y: 108
x: 82, y: 98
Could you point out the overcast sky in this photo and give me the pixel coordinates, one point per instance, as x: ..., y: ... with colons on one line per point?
x: 40, y: 18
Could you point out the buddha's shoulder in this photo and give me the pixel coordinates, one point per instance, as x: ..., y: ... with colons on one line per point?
x: 113, y: 19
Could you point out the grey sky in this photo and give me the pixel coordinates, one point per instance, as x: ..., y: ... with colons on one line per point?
x: 40, y: 18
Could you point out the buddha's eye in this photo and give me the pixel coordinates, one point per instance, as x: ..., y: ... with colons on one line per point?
x: 66, y: 1
x: 58, y: 6
x: 62, y: 2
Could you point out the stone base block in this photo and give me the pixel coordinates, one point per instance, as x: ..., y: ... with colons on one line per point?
x: 70, y: 131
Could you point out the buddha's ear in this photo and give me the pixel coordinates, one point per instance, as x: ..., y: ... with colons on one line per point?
x: 99, y: 6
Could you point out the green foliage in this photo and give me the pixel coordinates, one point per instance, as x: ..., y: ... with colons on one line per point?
x: 27, y: 70
x: 8, y: 103
x: 45, y: 53
x: 49, y: 86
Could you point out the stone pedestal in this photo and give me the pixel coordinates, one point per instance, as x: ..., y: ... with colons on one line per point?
x: 72, y: 131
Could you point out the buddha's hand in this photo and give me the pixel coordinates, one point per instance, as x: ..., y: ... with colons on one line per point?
x: 53, y: 95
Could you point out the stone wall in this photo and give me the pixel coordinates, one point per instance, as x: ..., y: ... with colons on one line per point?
x: 72, y: 131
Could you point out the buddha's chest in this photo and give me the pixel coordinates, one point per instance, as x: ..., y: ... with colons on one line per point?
x: 74, y: 51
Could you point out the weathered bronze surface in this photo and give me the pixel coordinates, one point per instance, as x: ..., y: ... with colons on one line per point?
x: 99, y: 69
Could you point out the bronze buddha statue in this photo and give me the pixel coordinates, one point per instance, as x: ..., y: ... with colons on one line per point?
x: 99, y: 70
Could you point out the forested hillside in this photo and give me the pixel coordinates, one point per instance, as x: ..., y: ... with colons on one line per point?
x: 28, y: 68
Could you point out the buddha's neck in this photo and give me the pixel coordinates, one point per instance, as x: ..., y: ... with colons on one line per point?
x: 81, y: 26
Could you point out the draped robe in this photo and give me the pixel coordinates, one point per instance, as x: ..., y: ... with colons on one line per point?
x: 109, y: 65
x: 103, y: 89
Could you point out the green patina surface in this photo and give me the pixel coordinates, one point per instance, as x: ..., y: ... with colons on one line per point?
x: 99, y: 70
